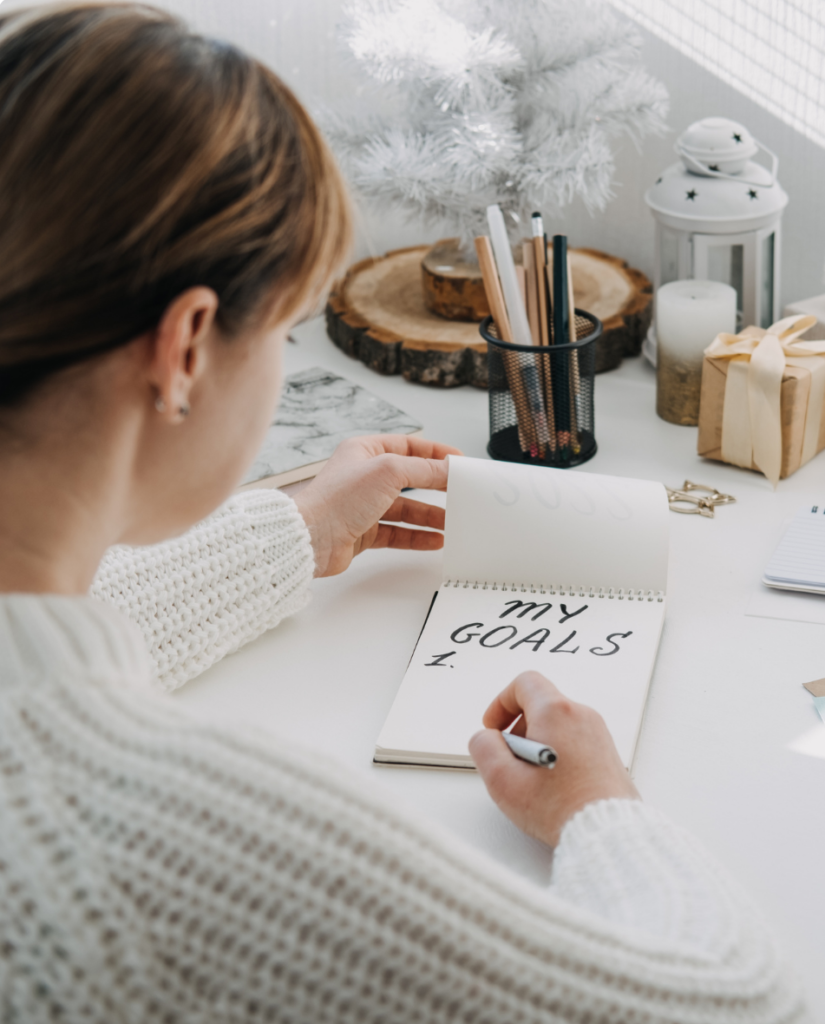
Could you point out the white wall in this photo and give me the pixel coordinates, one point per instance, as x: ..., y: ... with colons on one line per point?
x: 297, y: 38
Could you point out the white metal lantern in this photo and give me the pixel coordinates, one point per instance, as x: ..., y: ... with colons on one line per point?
x: 718, y: 217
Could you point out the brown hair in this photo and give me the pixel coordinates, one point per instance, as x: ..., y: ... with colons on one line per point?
x: 138, y: 160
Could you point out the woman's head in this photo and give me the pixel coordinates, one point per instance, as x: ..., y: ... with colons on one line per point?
x: 141, y: 163
x: 139, y: 160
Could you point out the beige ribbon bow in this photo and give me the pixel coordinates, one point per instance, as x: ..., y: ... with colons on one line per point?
x: 751, y: 420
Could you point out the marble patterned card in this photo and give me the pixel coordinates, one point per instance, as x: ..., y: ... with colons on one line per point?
x: 318, y: 410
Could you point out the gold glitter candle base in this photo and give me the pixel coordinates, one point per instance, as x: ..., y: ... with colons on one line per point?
x: 678, y: 384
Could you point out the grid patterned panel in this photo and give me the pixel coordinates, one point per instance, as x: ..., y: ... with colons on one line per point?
x: 773, y: 51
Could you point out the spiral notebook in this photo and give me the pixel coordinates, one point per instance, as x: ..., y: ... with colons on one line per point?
x: 560, y: 571
x: 799, y: 560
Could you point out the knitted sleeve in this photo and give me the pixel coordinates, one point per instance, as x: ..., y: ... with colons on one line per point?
x: 160, y: 864
x: 653, y: 877
x: 350, y: 911
x: 251, y: 884
x: 203, y: 595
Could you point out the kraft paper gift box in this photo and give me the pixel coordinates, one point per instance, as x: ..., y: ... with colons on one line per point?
x: 761, y: 401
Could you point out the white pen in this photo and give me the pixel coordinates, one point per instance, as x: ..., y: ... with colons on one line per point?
x: 507, y: 274
x: 531, y: 751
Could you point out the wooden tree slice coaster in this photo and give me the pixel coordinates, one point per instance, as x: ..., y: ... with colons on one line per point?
x: 377, y: 314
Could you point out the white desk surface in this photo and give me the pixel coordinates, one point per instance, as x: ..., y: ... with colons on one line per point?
x: 727, y: 715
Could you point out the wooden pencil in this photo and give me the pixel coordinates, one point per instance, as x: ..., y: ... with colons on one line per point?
x: 528, y: 256
x: 535, y: 281
x: 512, y: 367
x: 540, y: 260
x: 539, y: 244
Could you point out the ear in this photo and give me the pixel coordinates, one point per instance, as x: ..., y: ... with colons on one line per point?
x: 179, y: 350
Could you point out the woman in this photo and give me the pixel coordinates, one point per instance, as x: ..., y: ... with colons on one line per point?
x: 167, y: 212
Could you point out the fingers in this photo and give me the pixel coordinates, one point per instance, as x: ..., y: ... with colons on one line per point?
x: 487, y: 747
x: 428, y: 474
x: 414, y: 513
x: 403, y: 539
x: 498, y: 768
x: 403, y: 444
x: 527, y: 693
x: 398, y: 461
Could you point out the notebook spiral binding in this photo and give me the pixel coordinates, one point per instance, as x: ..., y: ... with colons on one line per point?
x: 563, y: 591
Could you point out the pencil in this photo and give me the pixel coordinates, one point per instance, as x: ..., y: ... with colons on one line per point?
x: 495, y: 298
x: 535, y: 383
x: 539, y: 244
x: 540, y: 260
x: 531, y: 374
x: 528, y: 255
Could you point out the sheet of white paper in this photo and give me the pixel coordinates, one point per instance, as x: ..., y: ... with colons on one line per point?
x: 811, y: 742
x: 769, y: 603
x: 599, y: 651
x: 526, y: 524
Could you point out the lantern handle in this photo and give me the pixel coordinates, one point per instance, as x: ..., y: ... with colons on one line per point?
x: 699, y: 168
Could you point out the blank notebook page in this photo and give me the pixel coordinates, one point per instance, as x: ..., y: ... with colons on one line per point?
x: 800, y: 556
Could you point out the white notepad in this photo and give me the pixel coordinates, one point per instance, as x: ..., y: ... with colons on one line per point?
x: 799, y: 560
x: 545, y: 569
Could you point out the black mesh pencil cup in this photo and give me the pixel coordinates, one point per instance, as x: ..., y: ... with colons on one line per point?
x: 541, y: 397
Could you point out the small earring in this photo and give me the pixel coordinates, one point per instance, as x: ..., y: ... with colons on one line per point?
x: 184, y: 410
x: 160, y: 405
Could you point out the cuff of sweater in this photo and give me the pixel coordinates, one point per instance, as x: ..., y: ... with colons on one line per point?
x: 265, y: 580
x: 282, y: 537
x: 203, y: 595
x: 627, y: 862
x: 600, y: 818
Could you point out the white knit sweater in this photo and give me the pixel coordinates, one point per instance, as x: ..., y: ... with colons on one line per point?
x: 155, y: 868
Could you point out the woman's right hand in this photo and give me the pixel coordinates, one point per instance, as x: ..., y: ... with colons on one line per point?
x: 539, y: 801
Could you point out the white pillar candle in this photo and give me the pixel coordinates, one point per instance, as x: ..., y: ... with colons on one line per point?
x: 689, y: 315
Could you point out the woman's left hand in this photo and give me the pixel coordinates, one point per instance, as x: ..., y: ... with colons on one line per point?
x: 356, y: 498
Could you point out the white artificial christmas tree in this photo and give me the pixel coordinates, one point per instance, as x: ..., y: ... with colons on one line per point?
x: 508, y: 101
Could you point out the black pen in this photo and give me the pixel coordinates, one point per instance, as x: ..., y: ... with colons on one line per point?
x: 561, y: 336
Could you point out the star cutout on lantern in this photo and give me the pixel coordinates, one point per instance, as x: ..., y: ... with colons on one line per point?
x: 752, y: 193
x: 737, y: 137
x: 691, y: 194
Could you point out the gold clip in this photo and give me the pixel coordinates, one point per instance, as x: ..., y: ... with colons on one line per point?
x: 716, y: 497
x: 689, y: 503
